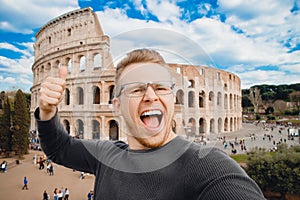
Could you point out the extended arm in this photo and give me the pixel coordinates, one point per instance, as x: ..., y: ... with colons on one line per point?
x: 63, y: 149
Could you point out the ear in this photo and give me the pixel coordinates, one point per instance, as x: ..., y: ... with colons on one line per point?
x: 116, y: 105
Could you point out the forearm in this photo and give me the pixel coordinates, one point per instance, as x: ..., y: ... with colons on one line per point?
x: 61, y: 148
x: 51, y: 134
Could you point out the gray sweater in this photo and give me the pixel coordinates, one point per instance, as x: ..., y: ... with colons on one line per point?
x: 179, y: 170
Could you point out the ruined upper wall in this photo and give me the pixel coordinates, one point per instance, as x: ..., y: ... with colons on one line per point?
x: 69, y: 30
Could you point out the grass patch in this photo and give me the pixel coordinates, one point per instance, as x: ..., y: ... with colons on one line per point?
x: 239, y: 158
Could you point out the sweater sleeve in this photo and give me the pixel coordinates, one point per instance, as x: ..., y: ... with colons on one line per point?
x: 216, y: 176
x: 63, y: 149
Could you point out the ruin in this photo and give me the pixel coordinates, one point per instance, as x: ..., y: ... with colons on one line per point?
x: 208, y: 101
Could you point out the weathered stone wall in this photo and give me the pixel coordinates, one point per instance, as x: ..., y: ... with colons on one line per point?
x: 208, y: 102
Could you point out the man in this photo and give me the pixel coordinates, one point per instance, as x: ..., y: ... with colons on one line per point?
x: 156, y: 163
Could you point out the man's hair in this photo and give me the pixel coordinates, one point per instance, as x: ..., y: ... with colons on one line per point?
x: 138, y: 56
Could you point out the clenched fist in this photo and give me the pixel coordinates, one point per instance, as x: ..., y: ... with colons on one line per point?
x: 51, y: 94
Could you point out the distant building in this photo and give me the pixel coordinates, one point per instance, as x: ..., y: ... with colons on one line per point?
x: 208, y: 101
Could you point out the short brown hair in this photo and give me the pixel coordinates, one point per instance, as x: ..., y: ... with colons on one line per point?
x: 138, y: 56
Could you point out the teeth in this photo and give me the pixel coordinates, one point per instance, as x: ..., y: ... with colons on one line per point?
x: 151, y: 112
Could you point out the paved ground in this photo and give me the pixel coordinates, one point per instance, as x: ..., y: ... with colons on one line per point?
x: 12, y: 180
x: 39, y: 180
x: 260, y: 138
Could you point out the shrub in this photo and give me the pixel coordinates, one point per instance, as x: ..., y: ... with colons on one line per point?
x: 277, y: 171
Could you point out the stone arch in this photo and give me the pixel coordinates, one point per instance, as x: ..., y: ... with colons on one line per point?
x: 42, y: 72
x: 37, y: 74
x: 211, y: 96
x: 234, y: 123
x: 225, y: 101
x: 226, y: 124
x: 179, y: 97
x: 80, y: 129
x: 191, y: 98
x: 67, y: 96
x: 70, y: 64
x: 192, y: 127
x: 191, y: 83
x: 82, y: 63
x: 96, y: 95
x: 219, y: 99
x: 201, y: 99
x: 113, y: 130
x: 219, y: 125
x: 96, y: 130
x: 66, y: 124
x: 56, y: 67
x: 174, y: 126
x: 234, y: 101
x: 225, y: 86
x: 97, y: 61
x: 48, y: 68
x: 202, y: 126
x: 230, y: 101
x: 212, y: 125
x: 80, y: 96
x: 111, y: 93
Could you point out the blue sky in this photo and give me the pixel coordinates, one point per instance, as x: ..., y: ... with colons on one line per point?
x: 257, y: 40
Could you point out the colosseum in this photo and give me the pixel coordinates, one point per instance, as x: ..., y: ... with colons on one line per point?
x: 208, y: 102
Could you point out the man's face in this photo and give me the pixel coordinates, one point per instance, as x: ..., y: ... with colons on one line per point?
x: 147, y: 109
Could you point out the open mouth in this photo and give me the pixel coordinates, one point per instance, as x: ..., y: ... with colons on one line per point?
x: 152, y: 118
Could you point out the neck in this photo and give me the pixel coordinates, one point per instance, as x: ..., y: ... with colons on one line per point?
x: 136, y: 143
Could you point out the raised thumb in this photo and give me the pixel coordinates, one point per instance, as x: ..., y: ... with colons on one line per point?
x: 63, y: 71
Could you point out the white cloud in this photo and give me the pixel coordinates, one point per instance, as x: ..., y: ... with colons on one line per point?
x: 163, y: 10
x: 292, y: 68
x: 16, y: 49
x: 16, y: 66
x: 24, y: 16
x: 7, y: 80
x: 256, y: 77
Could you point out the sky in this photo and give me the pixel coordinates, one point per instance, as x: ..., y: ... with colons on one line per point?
x: 257, y: 40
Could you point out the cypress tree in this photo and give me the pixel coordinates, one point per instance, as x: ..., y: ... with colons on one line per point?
x: 20, y: 139
x: 5, y: 124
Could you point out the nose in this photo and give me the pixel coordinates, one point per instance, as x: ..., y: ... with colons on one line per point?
x: 150, y: 94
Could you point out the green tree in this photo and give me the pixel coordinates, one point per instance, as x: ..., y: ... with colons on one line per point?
x: 277, y: 171
x: 246, y: 102
x: 295, y: 98
x: 20, y: 141
x: 5, y: 124
x: 295, y: 86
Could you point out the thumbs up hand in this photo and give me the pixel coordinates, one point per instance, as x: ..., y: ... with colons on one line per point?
x: 51, y: 94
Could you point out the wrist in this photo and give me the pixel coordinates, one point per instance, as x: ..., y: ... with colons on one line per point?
x: 47, y: 115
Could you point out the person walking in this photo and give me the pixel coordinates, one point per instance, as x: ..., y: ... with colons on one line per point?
x: 90, y: 195
x: 25, y: 183
x: 55, y: 194
x: 67, y: 194
x: 60, y: 195
x: 51, y: 170
x: 45, y: 195
x: 4, y: 166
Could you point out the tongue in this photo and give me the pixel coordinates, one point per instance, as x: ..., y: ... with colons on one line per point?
x: 151, y: 121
